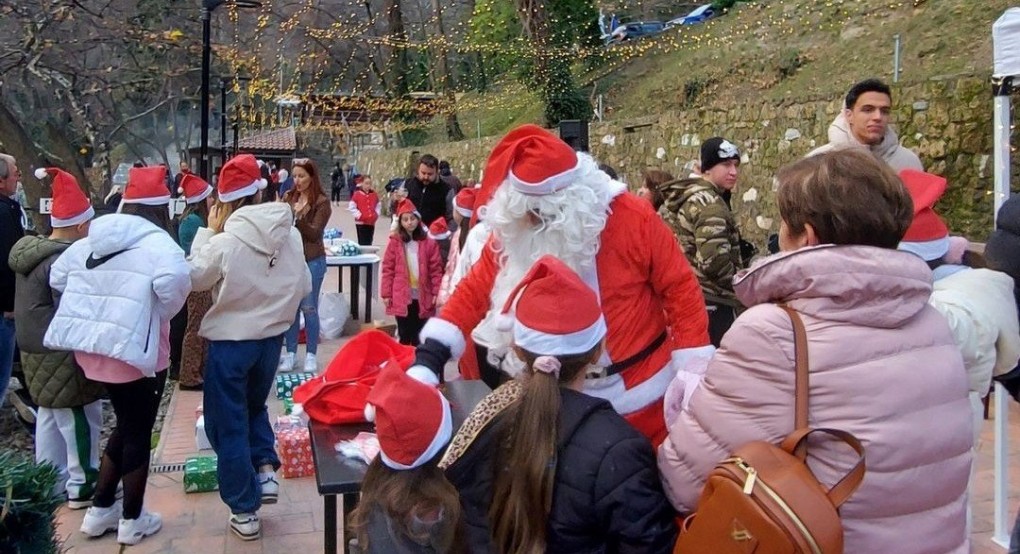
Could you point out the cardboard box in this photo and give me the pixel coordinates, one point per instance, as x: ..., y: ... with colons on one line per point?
x: 200, y: 474
x: 287, y: 382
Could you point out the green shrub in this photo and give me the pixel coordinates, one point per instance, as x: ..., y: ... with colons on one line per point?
x: 27, y: 505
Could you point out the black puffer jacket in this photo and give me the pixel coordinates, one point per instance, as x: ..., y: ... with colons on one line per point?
x: 53, y: 379
x: 607, y: 497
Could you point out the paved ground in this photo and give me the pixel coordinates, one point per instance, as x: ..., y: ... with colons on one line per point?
x: 197, y: 523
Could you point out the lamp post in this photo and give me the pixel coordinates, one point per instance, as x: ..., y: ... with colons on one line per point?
x: 207, y: 8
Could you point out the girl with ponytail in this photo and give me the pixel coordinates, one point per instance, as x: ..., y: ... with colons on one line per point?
x: 541, y: 466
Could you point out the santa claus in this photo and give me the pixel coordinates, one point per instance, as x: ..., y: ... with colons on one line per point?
x: 541, y: 198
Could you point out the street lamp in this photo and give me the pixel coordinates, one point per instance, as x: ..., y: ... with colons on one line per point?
x: 207, y: 8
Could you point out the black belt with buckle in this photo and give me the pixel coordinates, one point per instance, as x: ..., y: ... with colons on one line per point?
x: 613, y: 369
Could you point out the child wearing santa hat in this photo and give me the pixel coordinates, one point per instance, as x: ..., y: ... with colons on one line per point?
x: 543, y: 467
x: 69, y: 415
x: 463, y: 208
x: 120, y: 287
x: 412, y: 271
x: 365, y: 207
x: 251, y: 258
x: 199, y: 198
x: 440, y: 232
x: 407, y: 504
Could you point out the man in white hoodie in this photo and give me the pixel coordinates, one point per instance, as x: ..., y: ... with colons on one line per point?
x: 864, y: 123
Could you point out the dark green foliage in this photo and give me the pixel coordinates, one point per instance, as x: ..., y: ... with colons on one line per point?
x: 27, y: 505
x: 563, y: 100
x: 719, y: 5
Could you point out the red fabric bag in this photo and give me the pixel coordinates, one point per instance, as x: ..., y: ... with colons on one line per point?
x: 338, y: 395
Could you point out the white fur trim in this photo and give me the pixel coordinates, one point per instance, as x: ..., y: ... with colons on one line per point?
x: 927, y: 250
x: 439, y: 441
x: 463, y: 211
x: 547, y: 344
x: 636, y: 398
x: 446, y: 333
x: 239, y: 193
x: 548, y: 185
x: 504, y: 322
x: 369, y: 413
x: 153, y: 201
x: 616, y: 188
x: 72, y: 221
x: 200, y: 197
x: 40, y: 173
x: 423, y: 374
x: 441, y: 236
x: 262, y: 184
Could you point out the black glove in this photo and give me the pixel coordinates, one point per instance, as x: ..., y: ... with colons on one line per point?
x: 773, y: 243
x: 433, y: 355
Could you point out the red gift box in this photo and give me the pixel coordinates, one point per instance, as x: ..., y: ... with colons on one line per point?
x: 295, y: 448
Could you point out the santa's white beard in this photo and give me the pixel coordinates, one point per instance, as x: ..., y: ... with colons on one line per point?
x: 572, y: 221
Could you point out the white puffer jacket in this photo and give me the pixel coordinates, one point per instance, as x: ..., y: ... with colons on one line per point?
x: 117, y: 284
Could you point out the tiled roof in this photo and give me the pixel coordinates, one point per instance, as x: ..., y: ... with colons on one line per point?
x: 277, y: 139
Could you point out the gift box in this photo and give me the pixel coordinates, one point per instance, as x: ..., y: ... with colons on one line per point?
x: 288, y: 406
x: 201, y: 439
x: 200, y: 474
x: 287, y: 382
x: 294, y: 446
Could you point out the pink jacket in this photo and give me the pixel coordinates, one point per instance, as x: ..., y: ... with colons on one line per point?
x: 884, y: 367
x: 396, y: 283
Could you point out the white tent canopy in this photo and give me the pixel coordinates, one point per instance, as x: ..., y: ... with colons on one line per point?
x: 1006, y: 57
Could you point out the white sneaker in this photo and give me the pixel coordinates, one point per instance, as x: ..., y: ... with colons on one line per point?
x: 246, y: 526
x: 132, y: 531
x: 311, y: 364
x: 286, y: 362
x: 270, y: 487
x: 98, y: 521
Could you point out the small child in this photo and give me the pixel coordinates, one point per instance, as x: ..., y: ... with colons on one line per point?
x: 407, y: 505
x: 365, y: 206
x: 70, y: 412
x: 440, y: 232
x: 412, y: 271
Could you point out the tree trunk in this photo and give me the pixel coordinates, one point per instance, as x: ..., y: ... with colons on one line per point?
x: 396, y: 63
x: 453, y: 131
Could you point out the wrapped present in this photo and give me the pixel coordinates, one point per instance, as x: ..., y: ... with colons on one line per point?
x: 288, y: 406
x: 294, y: 445
x: 287, y: 382
x: 200, y: 474
x: 201, y: 438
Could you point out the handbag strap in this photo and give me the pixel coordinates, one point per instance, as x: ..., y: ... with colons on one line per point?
x: 849, y: 483
x: 800, y: 353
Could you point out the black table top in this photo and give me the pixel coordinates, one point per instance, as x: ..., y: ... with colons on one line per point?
x: 336, y: 474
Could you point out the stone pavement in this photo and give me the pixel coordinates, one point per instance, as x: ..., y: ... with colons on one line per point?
x: 197, y: 523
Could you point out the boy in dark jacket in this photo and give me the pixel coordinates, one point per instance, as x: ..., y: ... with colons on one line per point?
x: 70, y: 411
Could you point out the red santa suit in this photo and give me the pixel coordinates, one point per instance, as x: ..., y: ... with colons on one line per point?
x: 651, y: 300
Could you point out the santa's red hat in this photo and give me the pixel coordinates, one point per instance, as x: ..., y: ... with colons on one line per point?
x: 146, y: 185
x: 412, y: 419
x: 194, y: 188
x: 438, y: 230
x: 533, y: 160
x: 927, y: 236
x: 70, y: 205
x: 464, y: 202
x: 407, y: 207
x: 556, y: 313
x: 239, y: 177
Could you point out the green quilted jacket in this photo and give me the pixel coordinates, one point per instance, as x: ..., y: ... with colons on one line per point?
x: 53, y: 378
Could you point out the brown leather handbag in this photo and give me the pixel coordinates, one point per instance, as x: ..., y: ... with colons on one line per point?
x: 764, y: 499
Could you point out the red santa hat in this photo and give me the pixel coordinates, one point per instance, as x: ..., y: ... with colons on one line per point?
x: 407, y: 207
x: 927, y: 236
x: 194, y: 188
x: 239, y: 177
x: 412, y: 419
x: 464, y: 202
x: 556, y: 313
x: 438, y: 230
x: 146, y: 185
x: 534, y: 161
x: 70, y: 205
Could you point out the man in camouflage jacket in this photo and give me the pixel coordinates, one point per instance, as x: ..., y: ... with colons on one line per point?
x: 698, y: 211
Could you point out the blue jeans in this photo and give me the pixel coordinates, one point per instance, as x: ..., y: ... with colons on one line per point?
x: 238, y: 378
x: 310, y: 308
x: 6, y: 354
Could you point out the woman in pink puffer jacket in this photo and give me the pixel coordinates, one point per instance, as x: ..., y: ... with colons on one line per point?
x: 883, y: 364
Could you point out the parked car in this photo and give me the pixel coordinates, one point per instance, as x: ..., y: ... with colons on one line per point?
x: 700, y: 14
x: 631, y: 31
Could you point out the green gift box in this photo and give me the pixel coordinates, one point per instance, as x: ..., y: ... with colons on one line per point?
x: 288, y: 406
x: 287, y: 382
x: 200, y: 474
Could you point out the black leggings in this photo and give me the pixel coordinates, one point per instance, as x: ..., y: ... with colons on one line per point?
x: 409, y: 326
x: 365, y: 233
x: 719, y: 321
x: 335, y: 194
x: 126, y: 457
